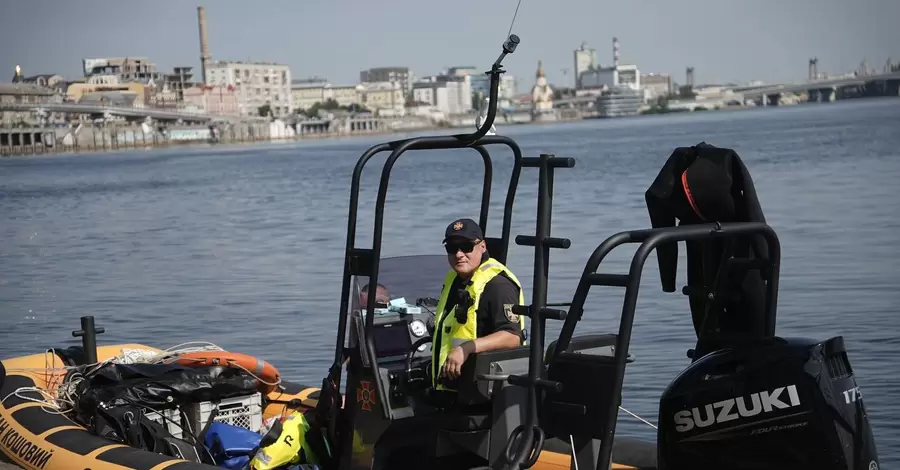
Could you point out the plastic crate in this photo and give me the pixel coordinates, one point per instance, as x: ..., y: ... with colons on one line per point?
x: 244, y: 411
x: 172, y: 421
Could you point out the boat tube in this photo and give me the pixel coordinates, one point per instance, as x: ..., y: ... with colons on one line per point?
x: 35, y: 434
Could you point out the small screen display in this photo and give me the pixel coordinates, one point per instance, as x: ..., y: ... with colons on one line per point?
x: 391, y: 339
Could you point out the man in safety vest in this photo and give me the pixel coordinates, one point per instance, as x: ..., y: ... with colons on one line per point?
x: 474, y: 313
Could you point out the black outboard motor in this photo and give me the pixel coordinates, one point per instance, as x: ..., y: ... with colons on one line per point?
x: 782, y: 404
x: 749, y: 400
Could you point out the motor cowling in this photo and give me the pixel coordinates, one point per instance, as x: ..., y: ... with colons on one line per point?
x: 776, y: 404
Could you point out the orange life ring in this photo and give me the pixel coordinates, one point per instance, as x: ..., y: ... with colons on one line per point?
x: 264, y: 371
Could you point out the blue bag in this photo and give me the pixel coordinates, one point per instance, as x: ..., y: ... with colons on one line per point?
x: 231, y: 446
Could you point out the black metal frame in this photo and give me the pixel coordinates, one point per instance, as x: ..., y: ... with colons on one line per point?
x: 364, y: 261
x: 88, y: 334
x: 529, y: 435
x: 650, y: 239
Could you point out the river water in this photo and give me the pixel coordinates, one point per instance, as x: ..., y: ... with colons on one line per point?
x: 243, y: 246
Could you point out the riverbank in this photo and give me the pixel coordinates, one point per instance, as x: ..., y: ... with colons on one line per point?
x: 118, y: 136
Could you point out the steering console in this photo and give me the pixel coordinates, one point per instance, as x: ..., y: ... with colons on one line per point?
x: 419, y: 376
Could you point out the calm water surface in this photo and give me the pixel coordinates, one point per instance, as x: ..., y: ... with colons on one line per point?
x: 243, y: 246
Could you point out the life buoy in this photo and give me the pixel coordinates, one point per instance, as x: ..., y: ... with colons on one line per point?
x: 266, y: 373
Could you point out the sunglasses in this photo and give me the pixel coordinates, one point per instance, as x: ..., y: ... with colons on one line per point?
x: 466, y: 247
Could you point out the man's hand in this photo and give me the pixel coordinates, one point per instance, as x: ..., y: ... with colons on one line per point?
x: 456, y: 358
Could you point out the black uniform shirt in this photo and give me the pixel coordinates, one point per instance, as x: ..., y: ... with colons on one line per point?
x: 494, y: 311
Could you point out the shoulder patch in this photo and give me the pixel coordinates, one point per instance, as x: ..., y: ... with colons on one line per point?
x: 507, y: 309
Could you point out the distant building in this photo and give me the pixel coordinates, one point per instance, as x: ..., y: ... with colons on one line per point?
x: 126, y: 94
x: 401, y: 75
x: 256, y: 83
x: 52, y: 81
x: 23, y: 93
x: 217, y: 100
x: 344, y: 95
x: 585, y: 60
x: 656, y: 85
x: 127, y: 69
x: 480, y: 82
x: 384, y: 97
x: 106, y: 79
x: 119, y: 99
x: 508, y: 87
x: 621, y: 75
x: 179, y: 80
x: 448, y: 94
x: 306, y: 93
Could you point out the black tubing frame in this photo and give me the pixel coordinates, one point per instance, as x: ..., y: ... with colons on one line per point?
x: 366, y: 261
x: 529, y: 435
x: 650, y: 239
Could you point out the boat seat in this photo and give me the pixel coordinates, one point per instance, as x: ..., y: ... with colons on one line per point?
x: 595, y: 343
x: 487, y: 407
x: 586, y: 370
x: 464, y: 420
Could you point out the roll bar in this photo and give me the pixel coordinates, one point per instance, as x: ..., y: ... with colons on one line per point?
x: 650, y: 239
x: 529, y: 435
x: 365, y: 261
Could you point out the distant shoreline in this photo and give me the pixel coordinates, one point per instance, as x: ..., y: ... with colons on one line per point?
x: 115, y: 144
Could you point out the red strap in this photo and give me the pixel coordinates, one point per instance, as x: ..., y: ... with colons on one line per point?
x: 690, y: 198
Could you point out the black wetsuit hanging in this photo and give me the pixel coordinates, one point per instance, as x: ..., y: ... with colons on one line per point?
x: 704, y: 184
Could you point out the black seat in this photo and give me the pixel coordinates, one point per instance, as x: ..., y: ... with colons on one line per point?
x: 586, y: 370
x: 487, y: 408
x: 586, y: 344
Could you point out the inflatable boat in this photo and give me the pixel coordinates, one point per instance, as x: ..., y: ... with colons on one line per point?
x: 34, y: 434
x: 747, y: 399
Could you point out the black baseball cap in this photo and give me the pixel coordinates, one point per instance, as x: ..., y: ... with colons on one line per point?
x: 463, y: 228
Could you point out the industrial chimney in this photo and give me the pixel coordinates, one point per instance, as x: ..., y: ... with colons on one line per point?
x: 615, y: 52
x: 204, y: 44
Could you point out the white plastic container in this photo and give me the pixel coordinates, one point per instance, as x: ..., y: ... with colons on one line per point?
x: 245, y: 412
x: 172, y: 421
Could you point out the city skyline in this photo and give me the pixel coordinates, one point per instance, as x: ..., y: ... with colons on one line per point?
x: 768, y: 41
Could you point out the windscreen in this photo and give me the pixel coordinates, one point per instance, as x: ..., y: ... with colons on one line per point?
x: 410, y: 277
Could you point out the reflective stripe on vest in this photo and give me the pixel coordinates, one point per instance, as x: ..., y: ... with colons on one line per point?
x: 448, y: 333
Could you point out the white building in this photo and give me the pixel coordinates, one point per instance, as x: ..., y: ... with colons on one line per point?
x: 384, y: 98
x: 621, y: 75
x: 585, y: 60
x: 508, y: 88
x: 257, y: 84
x: 480, y: 83
x: 656, y: 85
x: 388, y: 74
x: 446, y: 94
x: 305, y: 95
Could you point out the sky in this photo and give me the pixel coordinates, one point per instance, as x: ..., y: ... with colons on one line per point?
x: 724, y: 40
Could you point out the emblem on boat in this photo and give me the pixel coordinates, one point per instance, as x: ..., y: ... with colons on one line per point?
x: 507, y: 309
x: 458, y: 226
x: 365, y: 394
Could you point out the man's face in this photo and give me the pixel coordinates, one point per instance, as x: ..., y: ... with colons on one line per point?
x: 381, y: 296
x: 464, y: 255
